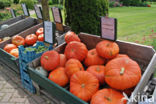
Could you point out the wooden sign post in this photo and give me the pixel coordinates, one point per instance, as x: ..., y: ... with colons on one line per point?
x: 38, y: 12
x: 109, y: 28
x: 12, y: 13
x: 25, y: 9
x: 57, y: 18
x: 49, y: 32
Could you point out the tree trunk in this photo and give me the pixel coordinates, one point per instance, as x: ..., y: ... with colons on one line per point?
x: 45, y: 8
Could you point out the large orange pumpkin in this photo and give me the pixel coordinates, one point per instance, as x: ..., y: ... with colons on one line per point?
x: 107, y: 49
x: 15, y: 52
x: 62, y: 60
x: 98, y: 72
x: 122, y: 73
x: 84, y: 85
x: 31, y: 39
x: 72, y: 66
x: 59, y: 76
x: 9, y: 47
x: 93, y: 58
x: 108, y: 96
x: 71, y: 36
x: 76, y: 50
x: 50, y: 60
x: 121, y: 55
x: 18, y: 40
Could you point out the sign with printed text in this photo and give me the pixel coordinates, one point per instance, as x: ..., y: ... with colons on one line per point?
x: 25, y: 9
x: 38, y: 12
x: 109, y: 28
x: 12, y: 13
x: 57, y: 14
x: 48, y: 32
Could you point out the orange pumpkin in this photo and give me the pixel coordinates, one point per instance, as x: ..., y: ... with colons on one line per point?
x: 50, y: 60
x: 107, y: 49
x: 76, y: 50
x: 98, y: 72
x: 93, y: 58
x: 39, y: 31
x: 84, y: 85
x: 31, y: 39
x: 41, y: 37
x: 18, y: 40
x: 72, y: 66
x: 71, y: 36
x: 62, y: 60
x: 108, y: 96
x: 122, y: 73
x: 9, y: 47
x: 121, y: 55
x: 59, y: 76
x: 15, y: 52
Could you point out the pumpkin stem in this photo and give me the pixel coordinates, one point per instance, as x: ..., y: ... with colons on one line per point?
x: 97, y: 69
x: 92, y: 53
x: 122, y: 71
x: 83, y: 85
x: 107, y: 45
x: 72, y: 50
x: 107, y: 98
x: 46, y: 57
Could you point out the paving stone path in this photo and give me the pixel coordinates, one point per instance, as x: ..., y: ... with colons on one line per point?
x: 12, y: 92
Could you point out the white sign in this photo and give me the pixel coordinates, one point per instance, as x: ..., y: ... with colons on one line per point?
x: 108, y: 28
x: 48, y: 32
x: 56, y: 15
x: 25, y: 10
x: 38, y: 11
x: 12, y: 13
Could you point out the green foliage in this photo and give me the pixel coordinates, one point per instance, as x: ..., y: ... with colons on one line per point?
x: 84, y: 15
x: 134, y: 2
x: 16, y: 1
x: 29, y: 3
x: 4, y: 3
x: 114, y: 4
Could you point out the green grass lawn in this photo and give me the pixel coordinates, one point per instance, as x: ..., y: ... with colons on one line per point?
x: 135, y: 24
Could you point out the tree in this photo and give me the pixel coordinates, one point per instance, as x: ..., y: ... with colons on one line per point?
x: 84, y: 15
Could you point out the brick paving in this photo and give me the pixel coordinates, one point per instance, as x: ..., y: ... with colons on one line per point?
x: 12, y: 92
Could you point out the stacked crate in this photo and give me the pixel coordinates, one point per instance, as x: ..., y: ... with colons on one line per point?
x: 24, y: 59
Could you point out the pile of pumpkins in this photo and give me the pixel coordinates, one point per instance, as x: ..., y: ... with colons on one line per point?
x: 88, y: 72
x: 29, y: 40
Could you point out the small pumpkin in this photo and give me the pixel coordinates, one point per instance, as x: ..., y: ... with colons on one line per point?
x: 98, y: 72
x: 39, y: 31
x: 122, y: 73
x: 71, y: 36
x: 72, y: 66
x: 76, y: 50
x: 62, y: 60
x: 9, y: 47
x: 93, y: 58
x: 50, y: 60
x: 84, y: 85
x: 108, y: 96
x: 31, y: 39
x: 18, y: 40
x: 107, y: 49
x: 41, y: 71
x: 59, y: 76
x: 41, y: 37
x: 15, y: 52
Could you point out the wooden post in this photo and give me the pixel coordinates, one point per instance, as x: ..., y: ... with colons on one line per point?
x: 45, y: 8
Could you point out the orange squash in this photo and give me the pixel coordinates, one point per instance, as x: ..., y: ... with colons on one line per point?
x: 62, y: 60
x: 15, y: 52
x: 108, y: 96
x: 84, y: 85
x: 122, y: 73
x: 71, y: 36
x: 72, y: 66
x: 9, y: 47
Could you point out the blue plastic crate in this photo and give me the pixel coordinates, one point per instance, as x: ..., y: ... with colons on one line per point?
x: 31, y: 55
x: 29, y: 86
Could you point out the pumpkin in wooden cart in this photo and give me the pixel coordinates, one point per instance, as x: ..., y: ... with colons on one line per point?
x: 63, y: 60
x: 122, y: 73
x: 84, y: 85
x: 93, y: 58
x: 76, y: 50
x: 108, y: 96
x: 72, y: 66
x: 107, y: 49
x: 71, y: 36
x: 9, y: 47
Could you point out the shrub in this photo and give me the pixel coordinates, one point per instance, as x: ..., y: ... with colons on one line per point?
x: 84, y: 16
x: 16, y: 1
x: 115, y: 4
x: 4, y: 3
x: 130, y: 2
x: 29, y: 3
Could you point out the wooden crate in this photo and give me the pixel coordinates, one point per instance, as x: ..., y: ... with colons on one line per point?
x: 144, y: 55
